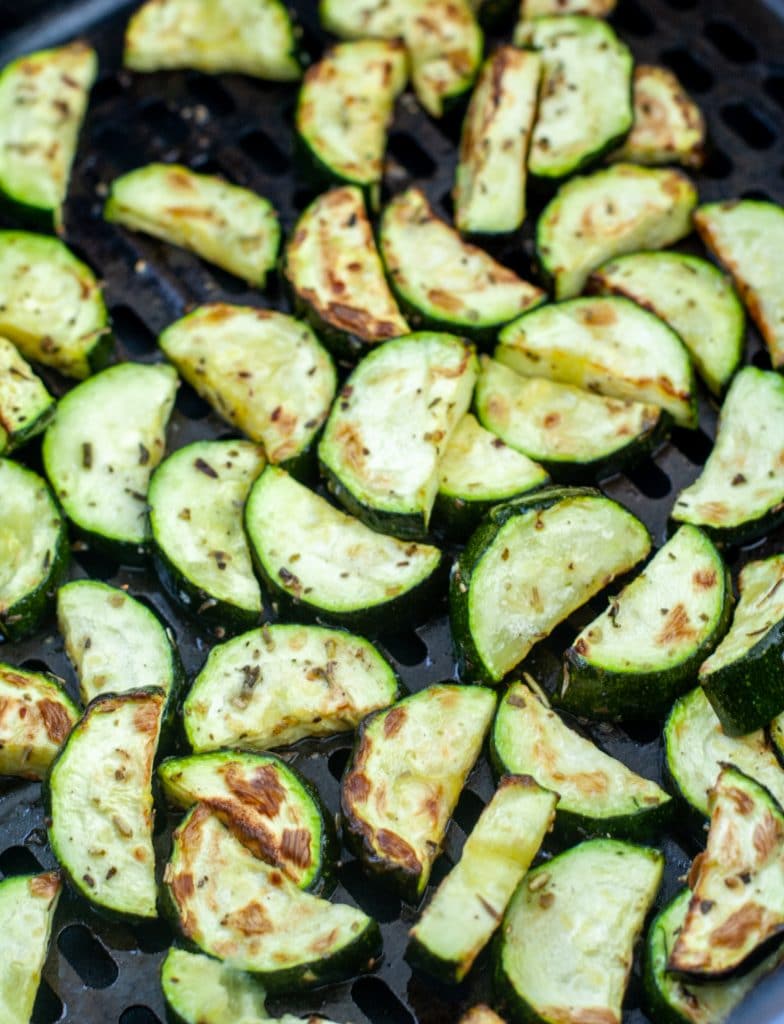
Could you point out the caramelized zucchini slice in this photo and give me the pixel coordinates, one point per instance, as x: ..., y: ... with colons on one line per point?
x: 200, y: 990
x: 26, y: 407
x: 27, y: 906
x: 36, y: 715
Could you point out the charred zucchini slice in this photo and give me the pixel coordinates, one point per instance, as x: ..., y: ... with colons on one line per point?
x: 25, y: 405
x: 597, y: 795
x: 599, y: 216
x: 200, y: 990
x: 390, y: 426
x: 36, y: 715
x: 409, y: 766
x: 27, y: 906
x: 642, y: 652
x: 276, y: 685
x: 540, y: 8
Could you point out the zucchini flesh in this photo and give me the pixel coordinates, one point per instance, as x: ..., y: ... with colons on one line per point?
x: 607, y: 345
x: 252, y: 37
x: 409, y: 766
x: 597, y: 795
x: 490, y: 180
x: 36, y: 715
x: 27, y: 906
x: 639, y: 655
x: 229, y: 226
x: 107, y: 437
x: 468, y: 905
x: 25, y: 405
x: 200, y: 990
x: 43, y: 99
x: 693, y: 297
x: 740, y: 493
x: 267, y: 688
x: 393, y: 420
x: 567, y: 940
x: 541, y: 8
x: 596, y: 217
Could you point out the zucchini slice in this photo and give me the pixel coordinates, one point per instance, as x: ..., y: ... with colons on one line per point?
x: 736, y: 910
x: 567, y: 941
x: 442, y: 281
x: 100, y: 803
x: 393, y: 420
x: 108, y: 436
x: 200, y: 990
x: 320, y: 561
x: 34, y: 551
x: 345, y: 108
x: 36, y: 715
x: 541, y: 8
x: 693, y: 297
x: 742, y: 678
x: 51, y: 306
x: 643, y: 651
x: 599, y: 216
x: 577, y: 122
x: 468, y: 905
x: 232, y: 227
x: 597, y: 795
x: 409, y: 766
x: 528, y: 566
x: 740, y: 493
x: 276, y: 685
x: 26, y: 407
x: 490, y: 179
x: 251, y: 37
x: 335, y: 274
x: 237, y: 908
x: 201, y: 553
x: 570, y: 431
x: 27, y: 907
x: 607, y: 345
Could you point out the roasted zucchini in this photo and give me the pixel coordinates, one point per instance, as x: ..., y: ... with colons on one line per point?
x: 200, y: 990
x: 539, y: 8
x: 27, y: 906
x: 36, y: 715
x: 26, y: 407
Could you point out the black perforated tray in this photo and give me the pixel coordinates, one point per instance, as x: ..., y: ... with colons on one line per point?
x: 729, y: 54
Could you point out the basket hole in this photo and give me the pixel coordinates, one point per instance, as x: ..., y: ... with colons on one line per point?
x: 649, y: 479
x: 87, y: 956
x: 139, y: 1015
x: 18, y: 860
x: 165, y: 125
x: 410, y: 155
x: 468, y: 809
x: 152, y: 936
x: 759, y: 194
x: 48, y: 1006
x: 95, y: 564
x: 134, y: 334
x: 693, y: 75
x: 211, y: 94
x: 729, y: 42
x: 406, y: 648
x: 717, y: 164
x: 630, y: 17
x: 374, y: 896
x: 748, y: 125
x: 442, y: 866
x: 302, y: 197
x: 107, y: 88
x: 761, y: 359
x: 379, y: 1003
x: 261, y: 148
x: 337, y: 762
x: 190, y: 404
x: 35, y: 665
x: 774, y: 87
x: 694, y: 444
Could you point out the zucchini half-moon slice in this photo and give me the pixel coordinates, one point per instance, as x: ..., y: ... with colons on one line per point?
x: 27, y: 907
x: 36, y: 715
x: 26, y: 407
x: 201, y: 990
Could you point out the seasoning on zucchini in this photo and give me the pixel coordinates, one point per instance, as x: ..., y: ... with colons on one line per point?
x: 469, y: 904
x: 36, y: 715
x: 200, y: 990
x: 51, y: 306
x: 740, y: 493
x: 27, y: 906
x: 597, y: 794
x: 278, y: 684
x: 693, y: 297
x: 643, y: 651
x: 599, y: 216
x: 25, y: 405
x: 567, y: 940
x: 605, y: 345
x: 594, y: 8
x: 43, y: 99
x: 392, y: 421
x: 335, y: 274
x: 490, y: 179
x: 108, y: 436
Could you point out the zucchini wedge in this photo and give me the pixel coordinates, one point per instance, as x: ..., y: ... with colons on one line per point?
x: 574, y: 433
x: 99, y: 795
x: 278, y: 684
x: 490, y: 180
x: 742, y: 678
x: 577, y: 122
x: 567, y: 940
x: 393, y: 420
x: 200, y: 551
x: 606, y: 345
x: 27, y: 907
x: 597, y: 795
x: 251, y: 37
x: 643, y: 651
x: 107, y: 438
x: 443, y: 282
x: 335, y: 275
x: 468, y: 905
x: 541, y: 8
x: 528, y: 566
x: 740, y: 493
x: 51, y: 306
x: 26, y: 407
x: 34, y: 551
x: 736, y: 910
x: 200, y: 990
x: 232, y: 227
x: 43, y: 100
x: 599, y: 216
x: 320, y: 562
x: 36, y: 715
x: 237, y: 908
x: 693, y: 297
x: 409, y: 766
